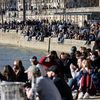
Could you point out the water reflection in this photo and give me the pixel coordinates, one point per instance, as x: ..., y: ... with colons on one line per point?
x: 9, y: 53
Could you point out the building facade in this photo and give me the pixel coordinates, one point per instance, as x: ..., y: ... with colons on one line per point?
x: 75, y: 11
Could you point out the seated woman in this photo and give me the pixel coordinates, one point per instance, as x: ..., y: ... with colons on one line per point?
x: 19, y: 71
x: 8, y: 74
x: 87, y: 86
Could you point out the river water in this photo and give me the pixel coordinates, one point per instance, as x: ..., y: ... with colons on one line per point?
x: 9, y: 53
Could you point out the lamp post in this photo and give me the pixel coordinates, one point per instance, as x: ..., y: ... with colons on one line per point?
x: 49, y: 43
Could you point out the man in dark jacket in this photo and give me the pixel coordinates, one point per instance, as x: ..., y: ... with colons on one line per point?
x: 64, y: 89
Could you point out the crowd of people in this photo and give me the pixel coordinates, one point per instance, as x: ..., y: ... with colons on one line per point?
x: 55, y: 77
x: 61, y: 29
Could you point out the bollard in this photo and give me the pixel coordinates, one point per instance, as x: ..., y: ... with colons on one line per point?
x: 49, y: 44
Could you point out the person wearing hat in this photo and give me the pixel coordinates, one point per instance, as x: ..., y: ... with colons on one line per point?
x: 43, y: 87
x: 65, y: 91
x: 34, y: 61
x: 34, y: 64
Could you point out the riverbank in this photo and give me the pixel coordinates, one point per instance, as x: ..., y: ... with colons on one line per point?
x: 13, y: 38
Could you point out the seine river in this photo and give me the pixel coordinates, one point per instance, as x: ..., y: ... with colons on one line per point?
x: 9, y: 53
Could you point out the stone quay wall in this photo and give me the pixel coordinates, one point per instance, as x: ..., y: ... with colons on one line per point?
x: 18, y: 40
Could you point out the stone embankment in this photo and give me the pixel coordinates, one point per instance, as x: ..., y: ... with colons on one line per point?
x: 18, y: 40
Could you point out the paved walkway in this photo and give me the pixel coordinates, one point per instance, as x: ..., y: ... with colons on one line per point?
x: 97, y: 97
x: 92, y: 98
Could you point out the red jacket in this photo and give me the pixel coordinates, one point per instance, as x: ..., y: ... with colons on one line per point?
x: 45, y: 63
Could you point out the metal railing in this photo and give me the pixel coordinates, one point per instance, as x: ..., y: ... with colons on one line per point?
x: 11, y: 91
